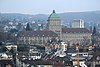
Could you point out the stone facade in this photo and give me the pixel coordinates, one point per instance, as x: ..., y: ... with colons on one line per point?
x: 54, y: 23
x: 55, y: 30
x: 76, y: 35
x: 35, y: 37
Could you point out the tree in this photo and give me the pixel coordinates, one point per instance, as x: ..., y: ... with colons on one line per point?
x: 19, y: 27
x: 28, y: 28
x: 94, y: 37
x: 94, y: 31
x: 13, y: 30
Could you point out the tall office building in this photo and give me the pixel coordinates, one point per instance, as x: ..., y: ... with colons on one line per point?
x: 78, y: 23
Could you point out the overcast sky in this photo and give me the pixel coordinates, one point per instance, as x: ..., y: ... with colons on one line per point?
x: 46, y: 6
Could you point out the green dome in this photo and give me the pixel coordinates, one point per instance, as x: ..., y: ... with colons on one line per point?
x: 53, y: 15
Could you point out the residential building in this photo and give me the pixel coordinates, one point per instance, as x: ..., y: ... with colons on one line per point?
x: 45, y: 63
x: 6, y: 63
x: 95, y: 60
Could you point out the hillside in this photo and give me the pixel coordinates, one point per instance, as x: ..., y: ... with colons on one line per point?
x: 89, y: 17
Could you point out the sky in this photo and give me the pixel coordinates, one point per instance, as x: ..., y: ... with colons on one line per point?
x: 46, y: 6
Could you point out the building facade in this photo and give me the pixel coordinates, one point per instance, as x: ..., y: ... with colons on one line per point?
x: 76, y: 35
x: 78, y: 23
x: 68, y: 35
x: 54, y: 23
x: 37, y: 37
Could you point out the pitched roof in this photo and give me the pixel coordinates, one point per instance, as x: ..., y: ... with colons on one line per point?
x: 38, y: 62
x: 6, y: 62
x: 75, y: 30
x: 48, y: 62
x: 22, y: 55
x: 96, y: 56
x: 37, y: 33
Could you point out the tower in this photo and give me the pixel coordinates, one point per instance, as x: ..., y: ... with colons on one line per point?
x: 54, y: 23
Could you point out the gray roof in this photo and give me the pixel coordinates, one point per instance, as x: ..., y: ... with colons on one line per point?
x: 75, y: 30
x: 39, y: 62
x: 95, y: 55
x: 37, y: 33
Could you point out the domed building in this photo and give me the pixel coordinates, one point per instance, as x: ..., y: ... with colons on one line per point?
x: 68, y: 35
x: 55, y: 30
x: 54, y: 23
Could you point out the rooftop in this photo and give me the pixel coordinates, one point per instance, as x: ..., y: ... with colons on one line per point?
x: 96, y: 56
x: 54, y: 15
x: 75, y: 30
x: 37, y: 33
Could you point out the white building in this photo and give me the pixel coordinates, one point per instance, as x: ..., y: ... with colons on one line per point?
x: 78, y: 23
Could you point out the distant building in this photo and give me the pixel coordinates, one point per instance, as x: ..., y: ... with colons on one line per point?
x: 74, y: 35
x: 78, y: 23
x: 35, y: 37
x: 54, y: 23
x: 42, y: 36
